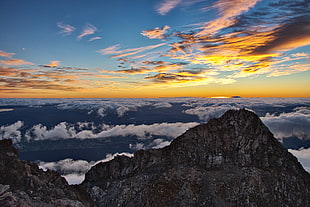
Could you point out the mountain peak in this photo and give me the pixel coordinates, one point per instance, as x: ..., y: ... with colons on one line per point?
x: 233, y: 160
x: 238, y: 137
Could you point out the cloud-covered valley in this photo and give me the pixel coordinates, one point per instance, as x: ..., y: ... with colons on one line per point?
x: 70, y: 135
x: 286, y: 117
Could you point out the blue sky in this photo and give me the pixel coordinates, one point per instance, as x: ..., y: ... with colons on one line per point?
x: 153, y: 48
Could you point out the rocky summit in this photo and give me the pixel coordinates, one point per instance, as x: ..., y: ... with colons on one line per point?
x: 233, y: 160
x: 23, y: 184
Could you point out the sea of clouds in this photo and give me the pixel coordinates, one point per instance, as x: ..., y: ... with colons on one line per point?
x: 285, y: 117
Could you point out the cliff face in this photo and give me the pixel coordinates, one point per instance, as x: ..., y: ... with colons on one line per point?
x: 24, y: 184
x: 230, y: 161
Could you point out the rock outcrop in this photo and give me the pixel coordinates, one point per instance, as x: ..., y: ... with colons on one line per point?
x: 230, y: 161
x: 24, y: 184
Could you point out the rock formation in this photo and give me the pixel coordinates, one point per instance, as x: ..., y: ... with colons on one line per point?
x: 230, y: 161
x: 23, y: 184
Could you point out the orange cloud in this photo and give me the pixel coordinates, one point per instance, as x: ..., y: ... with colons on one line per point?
x: 288, y: 37
x: 229, y: 9
x: 6, y: 54
x: 21, y: 79
x: 186, y: 79
x: 15, y: 62
x: 54, y: 63
x: 156, y: 33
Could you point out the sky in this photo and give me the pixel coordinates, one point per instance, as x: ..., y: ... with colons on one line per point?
x: 154, y: 48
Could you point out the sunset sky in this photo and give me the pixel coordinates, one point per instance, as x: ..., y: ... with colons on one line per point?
x: 154, y: 48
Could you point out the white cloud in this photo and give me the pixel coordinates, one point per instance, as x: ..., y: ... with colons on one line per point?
x: 160, y: 143
x: 74, y: 179
x: 155, y: 144
x: 88, y: 30
x: 167, y: 5
x: 94, y: 38
x: 102, y: 112
x: 12, y: 132
x: 296, y: 123
x: 122, y: 110
x: 66, y: 28
x: 74, y: 170
x: 162, y: 105
x: 143, y: 131
x: 60, y: 131
x: 205, y: 113
x: 137, y: 146
x: 67, y: 166
x: 66, y: 131
x: 303, y: 156
x: 126, y: 52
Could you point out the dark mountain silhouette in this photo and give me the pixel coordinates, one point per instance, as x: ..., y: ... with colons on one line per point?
x: 23, y: 184
x: 230, y: 161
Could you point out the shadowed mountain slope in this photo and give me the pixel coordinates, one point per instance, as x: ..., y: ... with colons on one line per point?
x: 23, y: 184
x: 230, y: 161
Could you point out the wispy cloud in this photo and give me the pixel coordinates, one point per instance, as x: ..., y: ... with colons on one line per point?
x: 94, y: 38
x: 167, y: 5
x: 110, y: 50
x: 88, y: 30
x: 15, y: 62
x: 229, y: 10
x: 141, y: 70
x: 66, y: 28
x: 12, y: 61
x: 241, y: 43
x: 48, y: 77
x: 288, y: 36
x: 115, y: 49
x: 6, y: 54
x: 157, y: 33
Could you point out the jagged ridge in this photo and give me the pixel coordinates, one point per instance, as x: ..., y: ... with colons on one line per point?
x: 230, y: 161
x: 23, y: 184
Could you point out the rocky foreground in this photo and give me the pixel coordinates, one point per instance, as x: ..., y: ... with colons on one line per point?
x: 230, y: 161
x: 23, y: 184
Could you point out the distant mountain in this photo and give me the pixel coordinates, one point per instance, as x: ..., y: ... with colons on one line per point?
x: 230, y: 161
x: 23, y: 184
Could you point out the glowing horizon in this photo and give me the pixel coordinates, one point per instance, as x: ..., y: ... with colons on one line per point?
x: 156, y: 48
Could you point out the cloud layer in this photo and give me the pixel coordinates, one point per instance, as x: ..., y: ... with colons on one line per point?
x: 293, y: 124
x: 292, y: 121
x: 285, y: 117
x: 68, y: 131
x: 74, y: 170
